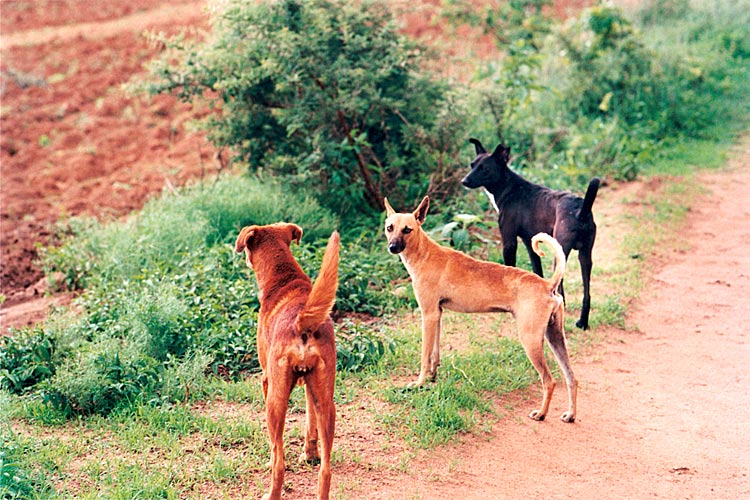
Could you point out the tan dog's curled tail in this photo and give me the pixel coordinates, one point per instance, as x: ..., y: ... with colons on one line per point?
x: 323, y: 293
x: 559, y: 266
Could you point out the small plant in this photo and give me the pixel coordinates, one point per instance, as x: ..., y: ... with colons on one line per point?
x: 457, y: 232
x: 26, y: 358
x: 358, y: 348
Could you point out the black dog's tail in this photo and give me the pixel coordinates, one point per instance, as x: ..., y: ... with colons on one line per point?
x: 588, y: 200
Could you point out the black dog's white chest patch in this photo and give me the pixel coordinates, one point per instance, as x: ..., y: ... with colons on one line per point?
x: 492, y: 200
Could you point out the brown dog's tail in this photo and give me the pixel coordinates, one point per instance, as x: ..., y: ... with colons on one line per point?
x: 323, y: 293
x: 559, y: 267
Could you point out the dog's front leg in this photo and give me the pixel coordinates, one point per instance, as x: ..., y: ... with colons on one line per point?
x: 510, y: 246
x: 430, y: 347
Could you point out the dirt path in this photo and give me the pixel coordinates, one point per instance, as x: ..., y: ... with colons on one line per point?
x: 663, y: 409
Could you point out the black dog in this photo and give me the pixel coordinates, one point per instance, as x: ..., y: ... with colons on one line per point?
x: 526, y: 209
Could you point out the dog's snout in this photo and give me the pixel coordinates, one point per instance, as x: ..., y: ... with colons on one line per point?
x: 469, y: 181
x: 395, y: 246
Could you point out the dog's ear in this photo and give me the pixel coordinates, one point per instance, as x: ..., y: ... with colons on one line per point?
x: 502, y: 153
x: 388, y: 208
x: 295, y: 233
x: 477, y: 146
x: 421, y: 212
x: 246, y: 233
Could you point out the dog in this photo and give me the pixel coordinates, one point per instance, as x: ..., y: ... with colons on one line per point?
x: 296, y: 342
x: 444, y: 278
x: 525, y: 209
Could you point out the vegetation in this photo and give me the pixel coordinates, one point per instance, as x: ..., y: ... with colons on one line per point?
x: 162, y: 337
x: 166, y: 300
x: 325, y: 93
x: 595, y: 95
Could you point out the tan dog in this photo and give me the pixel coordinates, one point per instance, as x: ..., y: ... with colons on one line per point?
x: 296, y: 344
x: 444, y: 278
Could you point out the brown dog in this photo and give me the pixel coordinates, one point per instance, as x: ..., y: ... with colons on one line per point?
x: 296, y: 344
x: 444, y: 278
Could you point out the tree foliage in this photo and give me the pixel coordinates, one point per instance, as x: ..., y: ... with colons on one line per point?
x: 325, y: 93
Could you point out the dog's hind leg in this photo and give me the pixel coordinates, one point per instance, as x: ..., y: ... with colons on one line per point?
x: 532, y: 338
x: 556, y: 338
x: 277, y: 402
x: 264, y: 385
x: 321, y: 387
x: 326, y: 427
x: 584, y: 257
x: 311, y: 454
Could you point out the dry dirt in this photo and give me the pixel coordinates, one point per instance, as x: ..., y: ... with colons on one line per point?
x: 662, y: 406
x: 72, y: 142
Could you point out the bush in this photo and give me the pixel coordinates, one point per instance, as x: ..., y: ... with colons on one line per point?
x: 326, y: 93
x: 164, y: 291
x: 172, y: 231
x: 167, y: 299
x: 532, y: 99
x: 112, y: 374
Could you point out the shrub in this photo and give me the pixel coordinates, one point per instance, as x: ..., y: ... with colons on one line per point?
x: 529, y: 102
x: 166, y: 295
x: 165, y: 291
x: 172, y: 231
x: 597, y: 96
x: 113, y: 374
x: 326, y: 93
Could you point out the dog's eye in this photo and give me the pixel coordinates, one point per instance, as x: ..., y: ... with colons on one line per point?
x: 407, y: 230
x: 389, y: 228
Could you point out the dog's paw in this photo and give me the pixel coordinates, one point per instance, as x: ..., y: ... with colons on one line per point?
x: 537, y: 415
x: 311, y: 459
x: 583, y: 326
x: 568, y: 417
x: 415, y: 385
